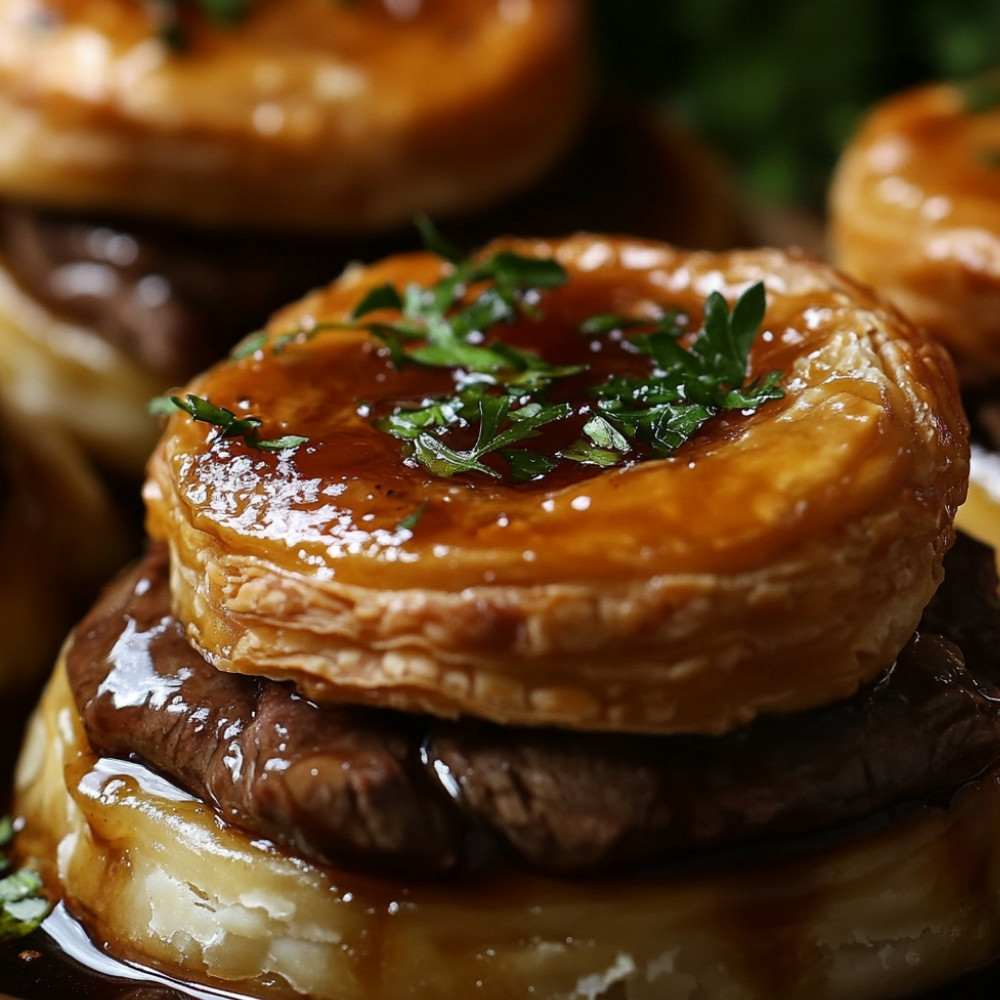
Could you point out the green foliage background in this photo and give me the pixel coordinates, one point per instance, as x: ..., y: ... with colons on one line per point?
x: 777, y: 87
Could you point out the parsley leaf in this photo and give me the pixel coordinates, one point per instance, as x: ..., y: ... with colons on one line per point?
x: 413, y: 518
x: 724, y: 346
x: 229, y: 424
x: 526, y: 465
x: 22, y: 905
x: 436, y: 242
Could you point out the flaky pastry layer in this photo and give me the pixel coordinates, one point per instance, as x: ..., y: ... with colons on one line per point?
x: 158, y: 880
x: 304, y: 115
x: 915, y: 212
x: 775, y: 562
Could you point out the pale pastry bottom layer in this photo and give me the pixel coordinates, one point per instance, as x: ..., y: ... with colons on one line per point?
x: 159, y: 878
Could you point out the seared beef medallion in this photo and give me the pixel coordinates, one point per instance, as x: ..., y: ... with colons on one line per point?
x: 414, y: 794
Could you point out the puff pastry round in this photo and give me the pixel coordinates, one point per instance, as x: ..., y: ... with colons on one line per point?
x: 158, y: 880
x: 306, y: 114
x: 776, y: 561
x: 915, y: 212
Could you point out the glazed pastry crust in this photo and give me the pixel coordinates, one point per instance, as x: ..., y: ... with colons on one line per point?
x: 159, y: 881
x: 774, y: 563
x: 306, y: 115
x: 915, y: 212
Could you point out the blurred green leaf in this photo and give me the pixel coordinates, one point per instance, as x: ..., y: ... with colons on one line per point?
x: 778, y: 88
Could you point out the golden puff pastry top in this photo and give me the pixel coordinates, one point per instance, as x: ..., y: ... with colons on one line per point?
x: 305, y: 114
x: 775, y: 561
x: 915, y: 211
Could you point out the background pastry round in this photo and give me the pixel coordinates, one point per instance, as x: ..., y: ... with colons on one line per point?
x: 60, y: 538
x: 304, y: 115
x: 673, y: 595
x: 68, y: 375
x: 156, y: 879
x: 915, y: 212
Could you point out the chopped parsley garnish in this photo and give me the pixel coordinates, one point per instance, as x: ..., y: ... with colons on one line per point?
x: 437, y: 330
x: 22, y: 905
x: 684, y: 389
x: 503, y: 393
x: 228, y: 423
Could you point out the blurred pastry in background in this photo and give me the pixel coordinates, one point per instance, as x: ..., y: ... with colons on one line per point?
x: 915, y: 212
x: 60, y: 538
x: 166, y: 185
